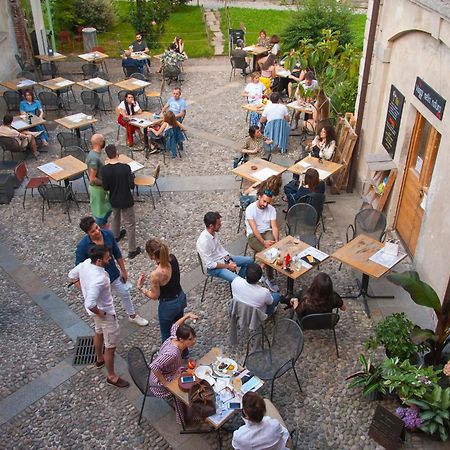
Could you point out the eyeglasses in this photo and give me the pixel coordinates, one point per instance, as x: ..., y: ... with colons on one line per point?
x: 268, y: 192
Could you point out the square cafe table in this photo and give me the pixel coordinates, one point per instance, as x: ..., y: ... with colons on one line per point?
x: 124, y: 159
x: 55, y: 57
x: 140, y: 56
x: 356, y: 254
x: 324, y: 167
x: 20, y: 123
x: 94, y: 83
x: 255, y: 50
x: 293, y: 246
x: 18, y: 84
x: 63, y: 168
x: 76, y: 121
x: 144, y: 121
x: 93, y: 56
x: 132, y: 84
x: 56, y: 84
x: 252, y: 107
x: 263, y: 170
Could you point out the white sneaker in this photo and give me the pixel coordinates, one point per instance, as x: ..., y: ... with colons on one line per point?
x: 271, y: 285
x: 138, y: 320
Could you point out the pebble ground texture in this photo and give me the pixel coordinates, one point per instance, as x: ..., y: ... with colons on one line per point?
x: 83, y: 412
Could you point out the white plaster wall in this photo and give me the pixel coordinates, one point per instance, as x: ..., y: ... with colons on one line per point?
x: 411, y: 42
x: 8, y: 47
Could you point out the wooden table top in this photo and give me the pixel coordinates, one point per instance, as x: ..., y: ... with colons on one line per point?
x: 357, y: 252
x: 255, y: 50
x: 251, y: 107
x: 132, y: 84
x: 56, y: 57
x: 290, y: 245
x: 325, y: 168
x: 139, y: 56
x: 66, y: 122
x: 20, y: 123
x: 260, y: 173
x: 69, y: 165
x: 302, y: 106
x: 18, y: 83
x: 94, y: 83
x: 124, y: 159
x: 55, y: 84
x: 93, y: 56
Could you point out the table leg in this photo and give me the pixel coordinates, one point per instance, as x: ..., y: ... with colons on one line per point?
x: 290, y: 286
x: 146, y: 146
x: 78, y: 133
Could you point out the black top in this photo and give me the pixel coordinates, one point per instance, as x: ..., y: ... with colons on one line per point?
x: 173, y: 287
x: 305, y: 308
x: 118, y: 180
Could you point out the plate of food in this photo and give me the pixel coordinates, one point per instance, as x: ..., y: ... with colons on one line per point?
x: 205, y: 373
x: 224, y: 367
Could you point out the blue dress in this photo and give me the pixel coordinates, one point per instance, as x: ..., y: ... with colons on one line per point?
x: 33, y: 108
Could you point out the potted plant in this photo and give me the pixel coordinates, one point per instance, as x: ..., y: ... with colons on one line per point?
x: 369, y: 378
x: 394, y: 333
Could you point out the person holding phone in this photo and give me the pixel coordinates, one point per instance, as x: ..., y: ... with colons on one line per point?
x: 118, y: 276
x: 127, y: 108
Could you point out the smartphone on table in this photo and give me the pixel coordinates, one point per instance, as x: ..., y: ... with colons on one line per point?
x: 188, y: 379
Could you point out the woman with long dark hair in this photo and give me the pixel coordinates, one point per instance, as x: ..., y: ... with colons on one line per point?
x: 127, y: 108
x: 29, y: 105
x: 324, y: 143
x: 311, y: 183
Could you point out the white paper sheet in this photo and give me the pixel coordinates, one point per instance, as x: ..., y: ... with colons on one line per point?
x: 140, y: 83
x: 142, y: 122
x: 87, y: 55
x: 19, y: 124
x: 24, y: 83
x: 250, y: 48
x: 386, y: 260
x: 76, y: 117
x: 264, y: 173
x: 323, y: 174
x: 283, y: 73
x: 57, y: 54
x: 98, y: 80
x: 252, y: 385
x: 303, y: 164
x: 50, y: 168
x: 64, y: 83
x: 134, y: 165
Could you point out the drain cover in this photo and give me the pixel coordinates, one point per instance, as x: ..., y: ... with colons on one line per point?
x: 84, y: 351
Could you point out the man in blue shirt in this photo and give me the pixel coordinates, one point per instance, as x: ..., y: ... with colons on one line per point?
x: 117, y: 275
x: 176, y: 104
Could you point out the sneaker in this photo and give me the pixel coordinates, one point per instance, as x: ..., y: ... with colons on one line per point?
x: 120, y: 383
x: 132, y: 255
x: 272, y: 285
x: 153, y: 151
x: 99, y: 364
x: 122, y: 234
x: 138, y: 320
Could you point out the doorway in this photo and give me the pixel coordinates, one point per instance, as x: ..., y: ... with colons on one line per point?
x: 418, y: 173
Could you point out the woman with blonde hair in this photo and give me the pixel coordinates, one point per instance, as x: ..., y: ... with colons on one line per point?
x: 164, y: 286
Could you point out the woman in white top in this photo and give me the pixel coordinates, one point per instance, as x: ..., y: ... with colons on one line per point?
x: 324, y: 143
x: 126, y: 109
x: 254, y: 92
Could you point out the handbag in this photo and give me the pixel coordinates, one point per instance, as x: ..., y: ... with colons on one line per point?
x: 202, y: 399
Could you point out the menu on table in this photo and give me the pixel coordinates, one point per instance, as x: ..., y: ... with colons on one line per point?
x: 264, y: 173
x: 50, y: 168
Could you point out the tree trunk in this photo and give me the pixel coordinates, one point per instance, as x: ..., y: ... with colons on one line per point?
x: 22, y: 37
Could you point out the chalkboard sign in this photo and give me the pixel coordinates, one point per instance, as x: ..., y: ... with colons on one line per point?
x: 387, y: 429
x: 430, y: 98
x: 393, y: 117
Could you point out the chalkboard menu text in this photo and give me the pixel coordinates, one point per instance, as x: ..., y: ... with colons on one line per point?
x: 393, y: 117
x: 387, y: 429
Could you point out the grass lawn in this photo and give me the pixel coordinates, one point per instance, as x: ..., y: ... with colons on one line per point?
x: 357, y: 26
x: 185, y: 21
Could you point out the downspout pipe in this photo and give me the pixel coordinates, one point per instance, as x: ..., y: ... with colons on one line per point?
x: 364, y: 86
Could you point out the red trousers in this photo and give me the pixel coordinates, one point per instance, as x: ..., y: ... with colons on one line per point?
x: 130, y: 129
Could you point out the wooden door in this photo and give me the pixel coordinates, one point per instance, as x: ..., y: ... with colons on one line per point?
x: 419, y: 170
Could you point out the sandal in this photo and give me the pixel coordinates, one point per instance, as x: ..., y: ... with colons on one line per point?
x: 120, y: 382
x: 284, y: 198
x: 285, y: 210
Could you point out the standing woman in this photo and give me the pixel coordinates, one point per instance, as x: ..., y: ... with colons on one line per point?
x: 127, y: 108
x: 32, y: 106
x: 164, y: 286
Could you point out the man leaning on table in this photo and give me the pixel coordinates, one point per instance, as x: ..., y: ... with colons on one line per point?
x: 262, y: 229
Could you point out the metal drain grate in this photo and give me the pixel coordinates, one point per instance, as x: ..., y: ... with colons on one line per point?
x: 84, y: 351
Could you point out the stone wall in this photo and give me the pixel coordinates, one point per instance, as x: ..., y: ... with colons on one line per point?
x: 8, y: 46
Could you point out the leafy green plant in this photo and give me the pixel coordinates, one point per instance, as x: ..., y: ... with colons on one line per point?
x: 369, y: 378
x: 435, y: 415
x: 394, y: 333
x: 149, y: 16
x: 423, y: 294
x: 407, y: 380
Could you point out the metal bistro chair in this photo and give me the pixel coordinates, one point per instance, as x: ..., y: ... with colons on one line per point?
x: 280, y: 355
x: 149, y: 181
x: 78, y: 153
x: 170, y: 72
x: 238, y: 63
x: 52, y: 193
x: 90, y: 70
x: 104, y: 90
x: 23, y: 65
x: 140, y: 93
x: 12, y: 100
x: 140, y: 373
x: 9, y: 144
x: 48, y: 69
x: 50, y: 102
x: 301, y: 221
x: 91, y: 102
x: 207, y: 277
x: 322, y: 321
x: 316, y: 200
x: 67, y: 139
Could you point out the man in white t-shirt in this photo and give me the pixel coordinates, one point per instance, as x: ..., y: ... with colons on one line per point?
x: 248, y: 291
x: 275, y: 110
x: 262, y: 228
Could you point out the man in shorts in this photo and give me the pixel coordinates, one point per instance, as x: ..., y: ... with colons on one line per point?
x: 98, y: 302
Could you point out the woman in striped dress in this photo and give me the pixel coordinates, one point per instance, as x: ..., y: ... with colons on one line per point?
x: 166, y: 367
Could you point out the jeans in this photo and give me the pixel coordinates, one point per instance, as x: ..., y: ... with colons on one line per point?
x: 119, y: 287
x: 169, y: 312
x: 241, y: 261
x: 129, y: 222
x: 276, y: 299
x: 102, y: 221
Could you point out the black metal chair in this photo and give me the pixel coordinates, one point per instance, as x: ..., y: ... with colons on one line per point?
x: 140, y: 373
x: 104, y: 90
x: 48, y: 69
x: 128, y: 71
x: 322, y: 321
x: 10, y: 144
x: 301, y: 221
x: 140, y: 93
x: 67, y: 139
x: 52, y: 193
x: 23, y: 65
x: 91, y: 102
x: 170, y: 73
x: 238, y: 63
x: 50, y: 102
x: 89, y: 70
x: 316, y: 200
x: 281, y: 354
x: 78, y: 153
x: 207, y: 277
x: 12, y: 100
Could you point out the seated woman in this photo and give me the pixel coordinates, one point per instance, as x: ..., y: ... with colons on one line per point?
x: 260, y: 431
x: 250, y: 195
x: 32, y: 106
x: 126, y: 109
x: 179, y: 46
x: 166, y: 366
x: 171, y: 129
x: 263, y: 39
x: 318, y: 298
x: 254, y: 92
x: 294, y: 192
x: 324, y: 143
x: 254, y: 143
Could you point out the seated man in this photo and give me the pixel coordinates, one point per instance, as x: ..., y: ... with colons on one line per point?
x: 275, y: 110
x: 238, y: 52
x: 131, y: 64
x: 249, y: 292
x: 217, y: 261
x: 139, y: 45
x: 260, y: 431
x: 176, y: 104
x: 262, y: 229
x: 24, y: 138
x: 171, y: 57
x: 309, y: 86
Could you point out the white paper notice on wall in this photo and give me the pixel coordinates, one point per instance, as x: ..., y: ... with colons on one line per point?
x: 423, y: 203
x: 419, y: 164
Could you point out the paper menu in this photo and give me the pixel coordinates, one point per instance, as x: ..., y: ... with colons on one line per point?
x: 87, y: 55
x: 323, y: 174
x: 314, y: 252
x: 50, y: 168
x: 140, y: 82
x: 134, y: 165
x: 303, y: 164
x: 64, y: 83
x: 76, y: 117
x: 264, y: 173
x: 98, y: 80
x: 24, y: 83
x: 252, y: 385
x: 19, y: 124
x: 249, y: 48
x: 385, y: 259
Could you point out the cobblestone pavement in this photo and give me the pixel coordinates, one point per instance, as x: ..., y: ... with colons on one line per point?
x: 79, y: 413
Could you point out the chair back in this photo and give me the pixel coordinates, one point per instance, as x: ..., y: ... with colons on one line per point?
x: 171, y: 71
x: 48, y: 69
x: 103, y: 75
x: 75, y: 151
x: 322, y: 321
x: 90, y: 98
x: 67, y: 139
x: 12, y: 100
x: 28, y: 75
x: 121, y: 95
x: 157, y: 171
x: 300, y: 219
x: 128, y: 71
x: 53, y: 193
x: 89, y: 70
x: 21, y: 172
x: 138, y: 368
x: 287, y: 339
x: 201, y: 263
x: 10, y: 144
x: 371, y: 222
x: 238, y: 62
x: 20, y: 61
x: 50, y: 101
x: 138, y: 76
x: 316, y: 200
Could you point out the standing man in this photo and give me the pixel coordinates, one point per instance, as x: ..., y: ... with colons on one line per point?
x: 176, y: 104
x: 98, y: 197
x: 117, y: 276
x: 119, y: 180
x: 98, y: 302
x: 217, y: 261
x: 262, y: 229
